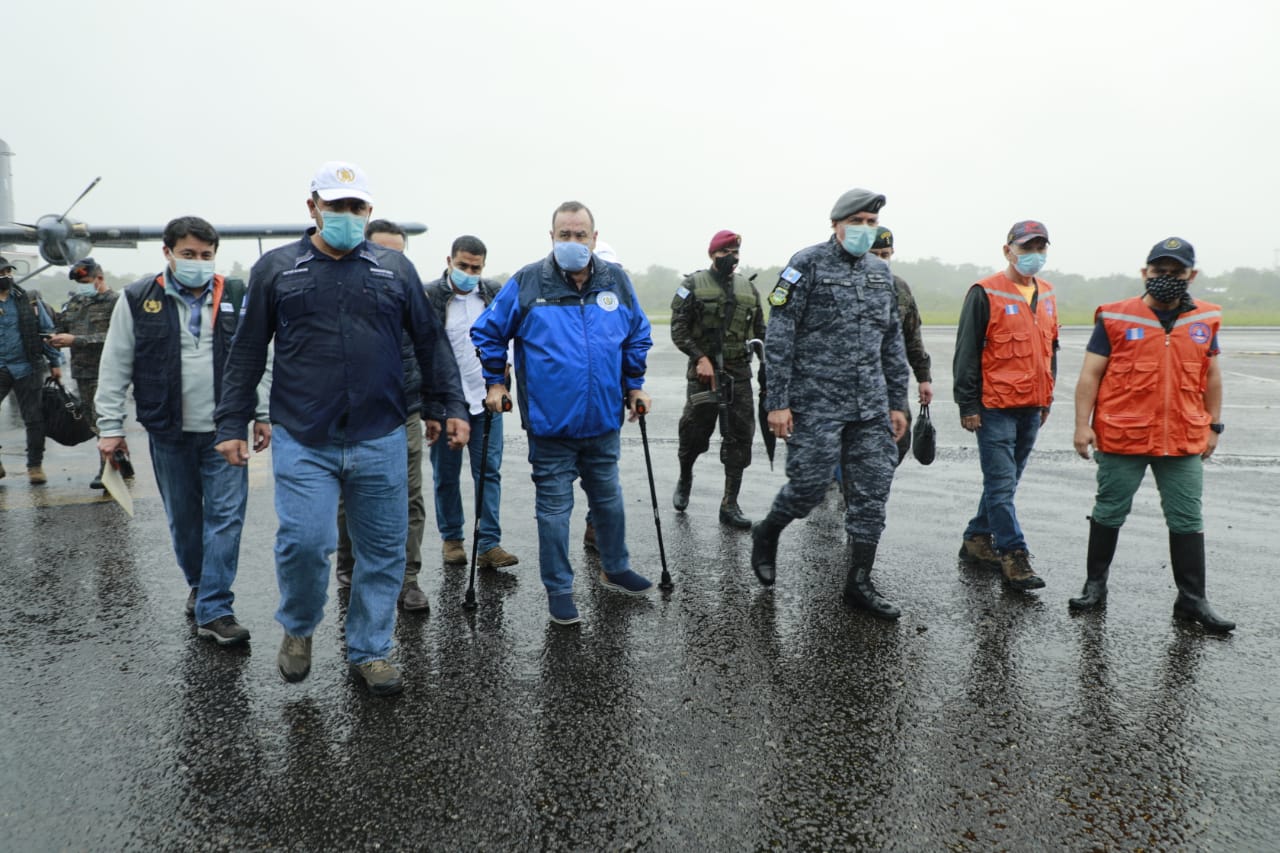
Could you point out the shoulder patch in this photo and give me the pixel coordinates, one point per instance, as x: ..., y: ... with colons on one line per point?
x: 779, y: 296
x: 682, y: 292
x: 790, y: 274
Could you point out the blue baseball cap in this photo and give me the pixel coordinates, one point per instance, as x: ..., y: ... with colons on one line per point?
x: 1175, y: 248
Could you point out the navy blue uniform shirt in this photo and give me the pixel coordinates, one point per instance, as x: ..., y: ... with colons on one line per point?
x: 337, y: 374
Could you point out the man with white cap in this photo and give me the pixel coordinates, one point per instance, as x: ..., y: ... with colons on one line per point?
x: 335, y: 305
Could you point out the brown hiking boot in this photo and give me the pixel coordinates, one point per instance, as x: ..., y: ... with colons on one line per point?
x: 980, y: 551
x: 379, y: 676
x: 35, y: 475
x: 412, y: 598
x: 1016, y: 566
x: 454, y: 553
x: 589, y: 539
x: 496, y: 558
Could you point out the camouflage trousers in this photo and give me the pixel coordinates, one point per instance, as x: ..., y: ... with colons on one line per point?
x: 866, y: 452
x: 699, y: 421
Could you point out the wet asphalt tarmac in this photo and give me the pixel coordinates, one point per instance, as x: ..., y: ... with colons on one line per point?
x: 721, y: 716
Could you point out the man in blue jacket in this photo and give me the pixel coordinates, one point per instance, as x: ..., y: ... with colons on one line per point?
x: 581, y: 340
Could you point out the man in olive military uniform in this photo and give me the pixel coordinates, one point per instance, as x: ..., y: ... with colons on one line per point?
x: 919, y: 360
x: 837, y: 390
x: 82, y: 328
x: 713, y: 315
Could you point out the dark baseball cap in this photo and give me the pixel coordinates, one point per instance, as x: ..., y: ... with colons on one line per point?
x: 81, y: 267
x: 1175, y: 248
x: 1026, y: 231
x: 884, y: 239
x: 6, y: 264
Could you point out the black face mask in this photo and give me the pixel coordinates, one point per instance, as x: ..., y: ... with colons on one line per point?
x: 6, y: 282
x: 725, y: 264
x: 1167, y: 288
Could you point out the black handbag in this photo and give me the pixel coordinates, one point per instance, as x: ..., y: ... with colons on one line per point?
x: 65, y: 420
x: 924, y: 438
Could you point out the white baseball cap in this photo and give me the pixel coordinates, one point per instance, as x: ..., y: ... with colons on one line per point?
x: 340, y: 179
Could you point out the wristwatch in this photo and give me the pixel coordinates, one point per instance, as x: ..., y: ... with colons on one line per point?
x: 1218, y: 428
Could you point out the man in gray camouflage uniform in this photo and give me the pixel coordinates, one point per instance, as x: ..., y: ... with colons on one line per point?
x: 917, y: 357
x: 837, y: 390
x: 81, y: 326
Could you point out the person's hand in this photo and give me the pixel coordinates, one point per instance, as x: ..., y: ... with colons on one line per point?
x: 61, y: 340
x: 972, y: 423
x: 639, y: 403
x: 706, y: 372
x: 261, y: 436
x: 458, y: 431
x: 898, y: 421
x: 235, y: 451
x: 926, y: 393
x: 56, y: 373
x: 109, y: 444
x: 781, y: 423
x: 1082, y: 439
x: 493, y: 397
x: 432, y: 430
x: 1211, y: 446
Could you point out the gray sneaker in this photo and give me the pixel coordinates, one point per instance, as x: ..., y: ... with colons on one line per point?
x: 225, y: 631
x: 294, y: 658
x: 380, y: 677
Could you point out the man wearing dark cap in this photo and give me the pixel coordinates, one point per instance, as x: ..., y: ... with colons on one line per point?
x: 837, y: 390
x: 917, y: 357
x: 1005, y: 364
x: 335, y: 305
x: 714, y: 313
x: 1150, y: 396
x: 21, y: 351
x: 82, y: 326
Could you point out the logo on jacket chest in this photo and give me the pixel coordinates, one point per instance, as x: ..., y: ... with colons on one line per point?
x: 151, y: 306
x: 607, y: 301
x: 1200, y: 332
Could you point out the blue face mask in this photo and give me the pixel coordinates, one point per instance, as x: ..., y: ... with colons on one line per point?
x: 572, y: 257
x: 1031, y: 263
x: 342, y: 231
x: 83, y: 290
x: 462, y: 281
x: 858, y: 239
x: 192, y: 273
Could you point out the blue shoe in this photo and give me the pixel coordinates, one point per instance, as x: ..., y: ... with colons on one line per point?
x: 627, y: 582
x: 563, y: 611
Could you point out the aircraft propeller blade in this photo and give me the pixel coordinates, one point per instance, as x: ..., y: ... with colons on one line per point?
x: 82, y: 195
x: 33, y: 274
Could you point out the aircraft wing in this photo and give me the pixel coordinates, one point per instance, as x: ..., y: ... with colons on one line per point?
x: 17, y: 234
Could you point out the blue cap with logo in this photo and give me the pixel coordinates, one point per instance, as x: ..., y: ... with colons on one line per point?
x: 1175, y: 248
x: 1026, y: 231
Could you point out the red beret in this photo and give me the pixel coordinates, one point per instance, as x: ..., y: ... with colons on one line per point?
x: 724, y: 240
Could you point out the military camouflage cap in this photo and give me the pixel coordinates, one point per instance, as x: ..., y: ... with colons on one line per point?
x: 854, y: 201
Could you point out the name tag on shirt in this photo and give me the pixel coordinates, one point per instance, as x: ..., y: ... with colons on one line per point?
x: 1134, y: 334
x: 226, y: 307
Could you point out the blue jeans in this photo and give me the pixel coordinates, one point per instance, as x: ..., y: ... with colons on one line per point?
x: 446, y: 467
x: 557, y: 462
x: 372, y: 479
x: 1005, y: 440
x: 204, y: 498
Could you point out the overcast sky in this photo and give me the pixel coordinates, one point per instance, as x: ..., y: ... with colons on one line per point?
x: 1116, y: 123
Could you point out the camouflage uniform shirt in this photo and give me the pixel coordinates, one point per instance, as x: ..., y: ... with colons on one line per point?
x: 911, y: 336
x: 87, y: 317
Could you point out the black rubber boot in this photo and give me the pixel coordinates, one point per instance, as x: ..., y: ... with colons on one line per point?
x: 730, y: 512
x: 1102, y: 548
x: 764, y: 546
x: 680, y: 500
x: 1186, y: 555
x: 96, y: 482
x: 859, y: 592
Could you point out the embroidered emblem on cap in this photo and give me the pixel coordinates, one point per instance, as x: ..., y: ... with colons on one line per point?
x: 1200, y: 333
x: 345, y: 175
x: 151, y: 306
x: 1173, y: 243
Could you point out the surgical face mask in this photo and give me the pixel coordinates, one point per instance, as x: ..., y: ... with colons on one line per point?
x: 1167, y: 288
x: 572, y: 257
x: 1031, y: 263
x: 342, y: 231
x: 858, y: 238
x: 85, y: 288
x: 192, y: 273
x: 725, y: 264
x: 462, y: 281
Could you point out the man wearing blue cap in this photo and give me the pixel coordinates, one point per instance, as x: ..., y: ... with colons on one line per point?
x: 1150, y: 396
x: 1004, y: 368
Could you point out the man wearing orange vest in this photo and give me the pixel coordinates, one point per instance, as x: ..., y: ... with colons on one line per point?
x: 1154, y: 390
x: 1006, y: 360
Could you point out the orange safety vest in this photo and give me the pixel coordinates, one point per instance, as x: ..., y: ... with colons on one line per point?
x: 1151, y: 398
x: 1017, y: 355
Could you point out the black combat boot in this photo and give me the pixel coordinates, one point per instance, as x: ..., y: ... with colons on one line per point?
x: 1102, y: 548
x: 1186, y: 555
x: 859, y: 592
x: 764, y: 546
x: 680, y: 500
x: 96, y: 482
x: 730, y: 513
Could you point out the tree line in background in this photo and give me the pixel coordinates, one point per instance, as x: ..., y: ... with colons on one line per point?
x: 1248, y: 296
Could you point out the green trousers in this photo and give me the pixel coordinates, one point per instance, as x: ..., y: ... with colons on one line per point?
x: 1180, y: 480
